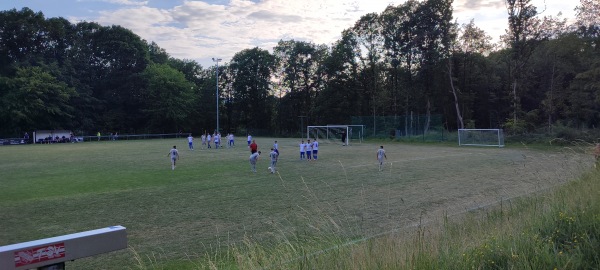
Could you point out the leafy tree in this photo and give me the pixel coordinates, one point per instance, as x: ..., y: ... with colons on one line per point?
x: 120, y: 57
x: 338, y: 101
x: 465, y: 69
x: 588, y: 21
x: 167, y: 99
x: 250, y: 72
x: 34, y: 99
x: 368, y: 34
x: 157, y: 54
x: 203, y: 82
x: 299, y: 73
x: 22, y: 34
x: 433, y: 38
x: 400, y: 42
x: 521, y: 36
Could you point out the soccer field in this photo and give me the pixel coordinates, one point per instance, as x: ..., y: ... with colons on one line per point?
x: 212, y: 199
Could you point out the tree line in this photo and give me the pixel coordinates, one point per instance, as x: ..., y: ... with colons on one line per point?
x: 410, y: 58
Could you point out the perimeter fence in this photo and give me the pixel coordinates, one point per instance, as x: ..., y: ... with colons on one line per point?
x: 403, y: 127
x: 92, y: 138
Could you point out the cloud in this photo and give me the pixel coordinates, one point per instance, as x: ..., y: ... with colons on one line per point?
x: 197, y: 29
x: 200, y: 30
x: 265, y: 15
x: 126, y: 2
x: 479, y: 4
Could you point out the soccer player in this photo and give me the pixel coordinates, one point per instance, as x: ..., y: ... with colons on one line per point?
x: 191, y: 142
x: 249, y: 139
x: 208, y: 140
x: 174, y: 156
x: 315, y: 149
x: 302, y: 149
x: 217, y: 140
x: 308, y: 148
x: 380, y: 156
x: 253, y: 160
x: 231, y: 141
x: 276, y: 147
x: 274, y: 156
x: 253, y: 147
x: 203, y: 138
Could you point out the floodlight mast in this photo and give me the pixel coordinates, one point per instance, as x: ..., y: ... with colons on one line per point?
x: 217, y: 60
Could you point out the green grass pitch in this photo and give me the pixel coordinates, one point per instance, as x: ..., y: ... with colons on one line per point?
x: 212, y: 199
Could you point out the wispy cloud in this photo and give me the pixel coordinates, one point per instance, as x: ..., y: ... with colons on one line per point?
x: 126, y: 2
x: 203, y: 29
x: 200, y: 29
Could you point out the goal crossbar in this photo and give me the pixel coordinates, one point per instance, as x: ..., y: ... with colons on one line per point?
x: 328, y: 132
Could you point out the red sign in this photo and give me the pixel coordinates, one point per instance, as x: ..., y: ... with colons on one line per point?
x: 39, y: 254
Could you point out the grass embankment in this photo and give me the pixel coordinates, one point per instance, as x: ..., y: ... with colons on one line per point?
x: 554, y: 230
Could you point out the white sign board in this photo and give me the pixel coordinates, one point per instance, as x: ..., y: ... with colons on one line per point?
x: 59, y: 249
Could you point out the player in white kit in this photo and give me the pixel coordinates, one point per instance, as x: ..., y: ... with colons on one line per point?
x: 380, y: 157
x: 274, y: 156
x: 308, y: 148
x: 253, y: 159
x: 315, y: 148
x: 302, y: 150
x: 174, y: 156
x: 191, y: 141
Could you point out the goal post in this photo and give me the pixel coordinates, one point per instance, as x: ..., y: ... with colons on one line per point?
x: 481, y: 137
x: 334, y: 133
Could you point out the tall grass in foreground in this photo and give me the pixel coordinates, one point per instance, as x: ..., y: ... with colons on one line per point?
x: 559, y: 229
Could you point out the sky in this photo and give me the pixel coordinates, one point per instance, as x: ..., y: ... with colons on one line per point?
x: 203, y: 30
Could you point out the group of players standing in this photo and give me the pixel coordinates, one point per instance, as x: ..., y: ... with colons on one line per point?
x: 309, y: 150
x: 207, y: 139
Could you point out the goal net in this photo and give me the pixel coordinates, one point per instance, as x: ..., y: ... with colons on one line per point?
x: 481, y: 137
x: 338, y: 134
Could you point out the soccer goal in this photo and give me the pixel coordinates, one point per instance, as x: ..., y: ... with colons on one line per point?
x: 335, y: 133
x: 481, y: 137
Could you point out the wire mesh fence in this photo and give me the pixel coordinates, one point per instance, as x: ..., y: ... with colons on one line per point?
x: 413, y: 126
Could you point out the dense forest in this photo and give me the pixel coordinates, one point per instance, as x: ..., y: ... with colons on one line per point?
x: 412, y: 58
